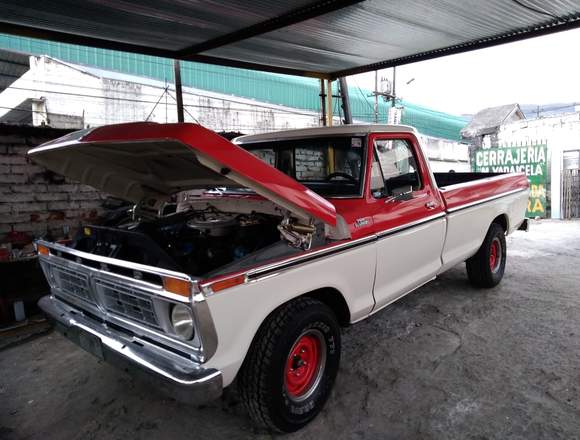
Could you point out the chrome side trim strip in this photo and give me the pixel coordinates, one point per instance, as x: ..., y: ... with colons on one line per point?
x: 410, y: 225
x: 488, y: 199
x: 255, y: 274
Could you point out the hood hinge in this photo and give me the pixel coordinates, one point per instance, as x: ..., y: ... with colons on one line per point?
x: 298, y: 235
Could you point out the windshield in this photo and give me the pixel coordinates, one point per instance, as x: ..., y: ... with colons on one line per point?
x: 327, y: 166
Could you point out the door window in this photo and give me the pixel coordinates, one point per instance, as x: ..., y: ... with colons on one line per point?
x: 396, y: 161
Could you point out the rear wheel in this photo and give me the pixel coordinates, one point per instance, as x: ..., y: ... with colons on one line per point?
x: 291, y: 366
x: 487, y: 266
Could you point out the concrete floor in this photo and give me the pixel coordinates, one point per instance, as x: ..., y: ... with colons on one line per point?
x: 446, y: 362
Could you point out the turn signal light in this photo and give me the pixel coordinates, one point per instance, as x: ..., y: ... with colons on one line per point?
x: 227, y: 283
x: 178, y: 286
x: 42, y: 250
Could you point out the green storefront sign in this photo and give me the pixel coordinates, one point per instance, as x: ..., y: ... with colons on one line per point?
x: 530, y: 159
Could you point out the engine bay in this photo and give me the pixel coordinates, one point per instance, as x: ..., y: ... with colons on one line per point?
x: 196, y: 242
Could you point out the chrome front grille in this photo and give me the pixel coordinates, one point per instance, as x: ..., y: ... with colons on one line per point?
x: 127, y: 302
x: 73, y: 282
x: 114, y: 296
x: 103, y: 289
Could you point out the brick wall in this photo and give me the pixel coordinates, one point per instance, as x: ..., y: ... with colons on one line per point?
x: 33, y: 199
x: 310, y: 164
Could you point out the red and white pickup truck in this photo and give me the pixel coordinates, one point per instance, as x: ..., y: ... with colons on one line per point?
x: 243, y: 260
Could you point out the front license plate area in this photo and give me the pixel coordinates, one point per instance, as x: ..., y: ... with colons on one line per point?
x: 91, y: 343
x: 85, y: 340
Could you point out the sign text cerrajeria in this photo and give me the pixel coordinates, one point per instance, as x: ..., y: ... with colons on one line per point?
x: 529, y: 159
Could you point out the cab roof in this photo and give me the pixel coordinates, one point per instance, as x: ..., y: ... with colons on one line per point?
x: 338, y: 130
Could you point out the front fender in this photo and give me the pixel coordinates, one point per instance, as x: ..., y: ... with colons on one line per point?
x: 239, y: 311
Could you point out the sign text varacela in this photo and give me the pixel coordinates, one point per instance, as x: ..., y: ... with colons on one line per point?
x: 521, y: 160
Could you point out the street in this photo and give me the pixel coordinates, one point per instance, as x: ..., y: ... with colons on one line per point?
x: 446, y: 362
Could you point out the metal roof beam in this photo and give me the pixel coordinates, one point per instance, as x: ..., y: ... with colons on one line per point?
x: 295, y: 16
x: 550, y: 27
x: 81, y: 40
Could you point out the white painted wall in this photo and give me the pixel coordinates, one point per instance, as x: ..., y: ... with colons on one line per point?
x: 445, y: 155
x: 115, y: 98
x: 95, y: 97
x: 560, y: 133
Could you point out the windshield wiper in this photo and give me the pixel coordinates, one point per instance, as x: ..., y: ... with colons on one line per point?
x: 221, y: 190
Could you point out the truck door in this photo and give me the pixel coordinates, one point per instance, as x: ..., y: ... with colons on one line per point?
x: 408, y: 214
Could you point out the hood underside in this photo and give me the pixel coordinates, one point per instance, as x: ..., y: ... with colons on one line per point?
x: 142, y: 161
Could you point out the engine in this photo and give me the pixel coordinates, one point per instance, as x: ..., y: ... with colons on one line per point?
x: 201, y: 241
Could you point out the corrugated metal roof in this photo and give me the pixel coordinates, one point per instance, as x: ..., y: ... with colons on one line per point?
x: 489, y: 119
x: 12, y: 66
x: 325, y: 38
x: 290, y: 91
x: 286, y: 90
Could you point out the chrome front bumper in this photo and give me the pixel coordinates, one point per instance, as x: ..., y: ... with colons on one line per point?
x: 177, y: 376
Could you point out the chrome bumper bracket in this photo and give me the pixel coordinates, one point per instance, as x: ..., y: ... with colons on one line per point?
x: 525, y: 225
x: 178, y: 377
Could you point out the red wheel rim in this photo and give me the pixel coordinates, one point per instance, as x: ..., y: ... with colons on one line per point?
x: 494, y: 255
x: 303, y: 366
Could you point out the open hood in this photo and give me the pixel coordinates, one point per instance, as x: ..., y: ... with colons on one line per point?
x: 143, y: 160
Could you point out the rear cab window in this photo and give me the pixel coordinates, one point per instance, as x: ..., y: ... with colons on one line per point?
x: 329, y: 166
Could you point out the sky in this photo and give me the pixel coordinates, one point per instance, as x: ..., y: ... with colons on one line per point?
x: 540, y: 70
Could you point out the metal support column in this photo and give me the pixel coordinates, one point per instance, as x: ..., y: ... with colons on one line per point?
x: 344, y: 99
x: 394, y: 91
x: 376, y: 106
x: 178, y: 91
x: 322, y: 103
x: 329, y: 103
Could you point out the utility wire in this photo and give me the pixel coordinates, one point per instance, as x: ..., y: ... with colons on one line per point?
x: 158, y: 101
x: 365, y: 99
x: 186, y: 111
x: 198, y: 92
x: 228, y: 127
x: 114, y: 98
x: 16, y: 109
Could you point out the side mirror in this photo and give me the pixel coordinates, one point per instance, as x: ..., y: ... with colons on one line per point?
x: 400, y: 194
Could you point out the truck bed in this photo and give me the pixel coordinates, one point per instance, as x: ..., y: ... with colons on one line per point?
x: 465, y: 189
x: 448, y: 179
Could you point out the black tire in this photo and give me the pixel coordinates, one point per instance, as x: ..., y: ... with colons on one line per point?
x: 263, y: 379
x: 482, y: 269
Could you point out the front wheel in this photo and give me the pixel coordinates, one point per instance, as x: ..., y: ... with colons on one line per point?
x: 487, y: 266
x: 291, y: 366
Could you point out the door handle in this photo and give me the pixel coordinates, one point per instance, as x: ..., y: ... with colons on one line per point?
x: 430, y: 205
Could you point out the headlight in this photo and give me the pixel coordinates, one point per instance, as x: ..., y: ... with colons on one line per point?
x: 182, y: 321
